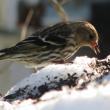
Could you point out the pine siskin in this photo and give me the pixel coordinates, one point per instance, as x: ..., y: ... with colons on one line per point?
x: 54, y: 44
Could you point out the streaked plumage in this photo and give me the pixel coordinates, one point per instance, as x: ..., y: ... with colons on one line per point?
x: 53, y: 44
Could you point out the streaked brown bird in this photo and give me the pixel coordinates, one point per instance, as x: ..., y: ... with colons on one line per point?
x: 54, y: 44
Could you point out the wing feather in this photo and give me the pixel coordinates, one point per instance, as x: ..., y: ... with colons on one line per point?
x: 50, y: 37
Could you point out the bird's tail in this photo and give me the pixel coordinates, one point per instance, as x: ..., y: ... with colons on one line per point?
x: 5, y: 54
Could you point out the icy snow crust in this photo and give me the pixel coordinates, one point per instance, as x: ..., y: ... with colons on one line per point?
x: 62, y: 87
x: 91, y: 98
x: 51, y: 77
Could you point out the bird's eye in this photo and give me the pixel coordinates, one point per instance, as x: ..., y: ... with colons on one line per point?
x: 91, y: 37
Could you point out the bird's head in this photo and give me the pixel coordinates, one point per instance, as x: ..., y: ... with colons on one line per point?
x: 87, y: 36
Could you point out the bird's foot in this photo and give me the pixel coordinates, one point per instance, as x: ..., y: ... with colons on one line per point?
x: 62, y: 62
x: 59, y: 62
x: 35, y: 70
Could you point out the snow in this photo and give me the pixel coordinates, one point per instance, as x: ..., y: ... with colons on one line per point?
x: 55, y: 87
x: 93, y: 98
x: 54, y: 73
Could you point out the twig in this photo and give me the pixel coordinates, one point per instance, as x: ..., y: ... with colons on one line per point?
x: 60, y: 10
x: 26, y: 24
x: 64, y: 1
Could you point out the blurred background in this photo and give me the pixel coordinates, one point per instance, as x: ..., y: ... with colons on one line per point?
x: 22, y: 17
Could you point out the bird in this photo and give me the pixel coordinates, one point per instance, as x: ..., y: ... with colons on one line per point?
x: 54, y: 44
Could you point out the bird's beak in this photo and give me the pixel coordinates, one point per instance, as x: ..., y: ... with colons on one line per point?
x: 95, y: 47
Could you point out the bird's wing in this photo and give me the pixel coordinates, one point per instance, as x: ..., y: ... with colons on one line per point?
x: 52, y: 36
x: 57, y: 34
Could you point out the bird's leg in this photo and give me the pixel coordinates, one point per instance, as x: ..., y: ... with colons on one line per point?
x: 34, y: 70
x: 59, y: 61
x: 62, y: 61
x: 68, y: 61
